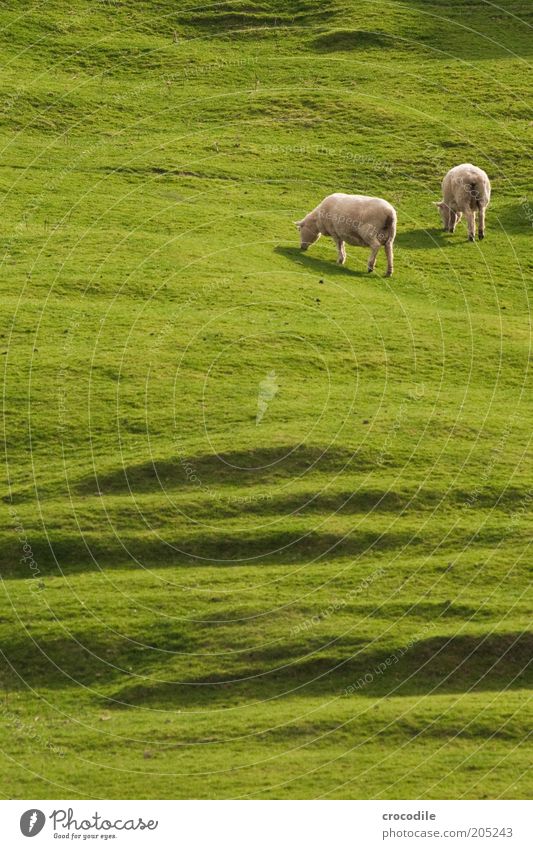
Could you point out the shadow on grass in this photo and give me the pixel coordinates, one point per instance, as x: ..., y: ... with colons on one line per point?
x: 465, y: 30
x: 177, y: 536
x: 232, y: 467
x: 301, y: 665
x: 368, y: 500
x: 425, y: 238
x: 513, y: 218
x: 321, y: 266
x: 86, y: 658
x: 254, y: 19
x: 351, y: 39
x: 457, y: 664
x: 93, y: 551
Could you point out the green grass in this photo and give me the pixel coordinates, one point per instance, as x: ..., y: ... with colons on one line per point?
x: 332, y: 602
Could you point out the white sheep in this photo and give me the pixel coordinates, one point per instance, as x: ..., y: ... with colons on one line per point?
x: 465, y: 188
x: 355, y: 219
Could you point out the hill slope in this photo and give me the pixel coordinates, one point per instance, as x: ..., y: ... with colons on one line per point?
x: 265, y: 520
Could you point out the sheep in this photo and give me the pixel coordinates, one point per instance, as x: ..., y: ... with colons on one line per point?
x: 465, y: 188
x: 355, y: 219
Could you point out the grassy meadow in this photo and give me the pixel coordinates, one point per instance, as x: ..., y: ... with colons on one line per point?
x: 265, y: 519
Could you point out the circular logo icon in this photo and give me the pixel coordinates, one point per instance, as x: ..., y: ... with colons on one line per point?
x: 32, y: 822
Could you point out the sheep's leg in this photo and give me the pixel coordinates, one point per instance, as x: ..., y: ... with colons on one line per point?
x: 341, y: 258
x: 481, y: 223
x: 448, y: 220
x: 471, y: 224
x: 452, y: 221
x: 372, y: 257
x: 389, y: 250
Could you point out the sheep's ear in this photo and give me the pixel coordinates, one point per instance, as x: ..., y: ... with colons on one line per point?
x: 298, y: 224
x: 438, y: 203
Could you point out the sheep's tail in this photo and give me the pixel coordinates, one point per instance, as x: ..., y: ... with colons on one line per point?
x: 478, y: 194
x: 389, y: 228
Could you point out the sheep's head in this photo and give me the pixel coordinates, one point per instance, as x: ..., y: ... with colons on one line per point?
x: 444, y: 212
x: 308, y: 234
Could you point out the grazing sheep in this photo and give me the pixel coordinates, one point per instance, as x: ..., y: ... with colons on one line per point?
x: 465, y: 188
x: 355, y: 219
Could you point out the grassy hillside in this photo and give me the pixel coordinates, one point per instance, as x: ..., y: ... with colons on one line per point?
x: 330, y: 598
